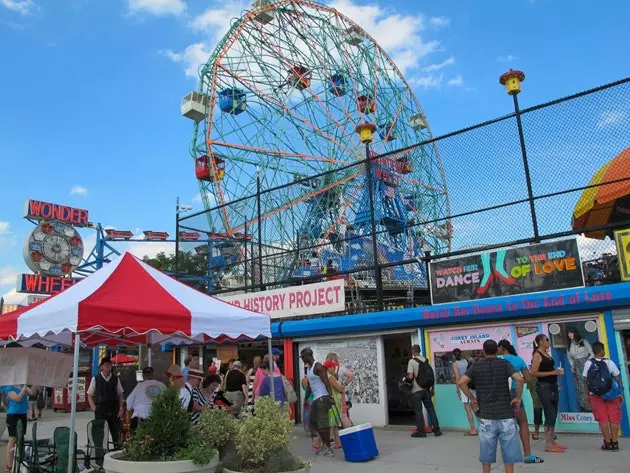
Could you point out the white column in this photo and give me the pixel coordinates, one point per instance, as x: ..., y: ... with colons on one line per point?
x: 73, y: 409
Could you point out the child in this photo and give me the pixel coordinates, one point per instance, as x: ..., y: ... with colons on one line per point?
x: 606, y: 407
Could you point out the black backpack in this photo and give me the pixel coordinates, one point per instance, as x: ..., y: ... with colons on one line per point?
x: 598, y: 378
x: 425, y: 378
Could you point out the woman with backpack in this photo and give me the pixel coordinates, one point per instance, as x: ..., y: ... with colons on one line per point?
x: 460, y: 366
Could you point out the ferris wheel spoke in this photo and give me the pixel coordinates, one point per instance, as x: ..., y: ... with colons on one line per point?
x: 342, y: 213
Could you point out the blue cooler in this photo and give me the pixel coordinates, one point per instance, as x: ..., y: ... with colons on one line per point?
x: 359, y: 444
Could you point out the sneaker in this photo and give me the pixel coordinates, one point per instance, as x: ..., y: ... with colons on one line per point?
x: 607, y: 447
x: 437, y: 433
x: 327, y: 452
x: 419, y: 435
x: 615, y: 446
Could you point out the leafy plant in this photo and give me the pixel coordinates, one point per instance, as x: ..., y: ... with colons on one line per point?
x: 167, y: 434
x: 259, y: 436
x: 217, y: 427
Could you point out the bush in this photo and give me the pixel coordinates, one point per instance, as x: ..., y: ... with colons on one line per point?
x: 167, y: 434
x: 217, y: 427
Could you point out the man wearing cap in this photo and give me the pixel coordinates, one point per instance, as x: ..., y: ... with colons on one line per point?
x: 141, y: 398
x: 185, y: 389
x: 105, y: 397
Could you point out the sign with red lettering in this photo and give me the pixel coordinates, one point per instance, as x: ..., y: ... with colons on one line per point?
x: 149, y: 235
x: 309, y: 299
x: 118, y: 234
x: 527, y: 269
x: 43, y: 284
x: 189, y: 236
x: 37, y: 210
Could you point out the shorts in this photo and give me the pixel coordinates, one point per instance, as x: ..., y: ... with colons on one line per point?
x: 503, y: 432
x: 12, y: 420
x: 521, y: 407
x: 464, y: 398
x: 319, y: 413
x: 32, y: 406
x: 606, y: 411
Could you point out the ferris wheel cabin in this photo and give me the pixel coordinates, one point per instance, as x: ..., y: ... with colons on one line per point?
x: 209, y: 169
x: 386, y: 132
x: 418, y: 122
x: 232, y: 101
x: 299, y: 77
x: 263, y: 17
x: 194, y: 106
x: 366, y: 104
x: 354, y: 36
x: 338, y: 85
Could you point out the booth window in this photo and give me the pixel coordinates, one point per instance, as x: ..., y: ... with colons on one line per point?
x: 443, y: 363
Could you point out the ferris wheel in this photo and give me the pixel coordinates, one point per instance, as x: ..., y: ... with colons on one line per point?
x: 280, y: 99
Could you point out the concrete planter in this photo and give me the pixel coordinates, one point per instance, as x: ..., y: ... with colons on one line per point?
x: 301, y: 470
x: 113, y: 464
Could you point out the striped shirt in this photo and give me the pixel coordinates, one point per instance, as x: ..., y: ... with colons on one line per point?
x: 199, y: 397
x: 493, y: 393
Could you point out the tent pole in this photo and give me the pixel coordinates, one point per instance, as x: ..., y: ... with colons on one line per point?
x: 150, y: 356
x: 271, y: 369
x: 73, y: 409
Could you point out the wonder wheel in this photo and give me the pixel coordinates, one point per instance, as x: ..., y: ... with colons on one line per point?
x: 282, y: 95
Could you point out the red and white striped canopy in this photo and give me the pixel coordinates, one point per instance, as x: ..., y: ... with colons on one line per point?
x: 128, y: 301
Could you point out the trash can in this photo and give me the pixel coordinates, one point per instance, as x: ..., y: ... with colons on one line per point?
x: 359, y: 444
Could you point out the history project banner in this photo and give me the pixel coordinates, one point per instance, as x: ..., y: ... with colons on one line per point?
x: 534, y: 268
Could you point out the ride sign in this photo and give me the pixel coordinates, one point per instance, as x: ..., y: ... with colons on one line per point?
x: 523, y: 270
x: 37, y: 210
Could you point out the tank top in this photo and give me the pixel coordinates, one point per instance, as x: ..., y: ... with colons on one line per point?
x: 315, y: 382
x: 546, y: 366
x: 462, y: 366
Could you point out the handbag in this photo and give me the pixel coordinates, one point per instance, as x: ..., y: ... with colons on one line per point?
x: 289, y: 392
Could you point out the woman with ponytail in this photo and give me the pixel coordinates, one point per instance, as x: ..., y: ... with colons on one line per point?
x: 543, y: 368
x: 508, y: 353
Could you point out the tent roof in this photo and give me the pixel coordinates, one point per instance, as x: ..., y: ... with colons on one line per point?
x: 129, y: 302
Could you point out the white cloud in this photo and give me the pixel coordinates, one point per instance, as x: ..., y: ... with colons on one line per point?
x: 436, y: 67
x: 610, y: 118
x: 197, y: 199
x: 78, y: 190
x: 592, y: 248
x: 13, y: 297
x: 23, y: 7
x: 4, y: 227
x: 8, y: 276
x: 427, y: 82
x: 456, y: 81
x: 158, y: 7
x: 508, y: 58
x: 192, y: 57
x: 440, y: 21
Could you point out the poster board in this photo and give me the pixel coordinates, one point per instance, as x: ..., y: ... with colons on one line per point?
x: 35, y: 367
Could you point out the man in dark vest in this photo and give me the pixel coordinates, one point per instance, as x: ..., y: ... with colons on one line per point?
x: 105, y: 396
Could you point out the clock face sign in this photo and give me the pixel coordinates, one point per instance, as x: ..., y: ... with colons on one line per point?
x: 53, y: 248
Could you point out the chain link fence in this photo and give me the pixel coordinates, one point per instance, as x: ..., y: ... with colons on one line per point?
x: 331, y: 226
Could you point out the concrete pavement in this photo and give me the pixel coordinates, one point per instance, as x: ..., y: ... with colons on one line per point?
x: 451, y: 453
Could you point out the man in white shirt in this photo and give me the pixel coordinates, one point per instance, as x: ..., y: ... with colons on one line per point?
x: 185, y: 389
x: 105, y: 397
x: 141, y: 398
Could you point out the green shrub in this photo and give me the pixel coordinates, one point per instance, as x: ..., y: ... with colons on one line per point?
x: 217, y: 427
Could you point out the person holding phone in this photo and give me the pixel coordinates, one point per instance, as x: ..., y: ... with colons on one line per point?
x: 17, y: 409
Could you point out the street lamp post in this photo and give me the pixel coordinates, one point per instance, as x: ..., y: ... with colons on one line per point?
x: 366, y: 132
x: 178, y: 209
x: 512, y: 81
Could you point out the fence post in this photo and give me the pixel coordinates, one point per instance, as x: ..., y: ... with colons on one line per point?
x: 512, y: 81
x: 259, y: 211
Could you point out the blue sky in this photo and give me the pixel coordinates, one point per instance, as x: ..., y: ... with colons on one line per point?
x: 90, y: 90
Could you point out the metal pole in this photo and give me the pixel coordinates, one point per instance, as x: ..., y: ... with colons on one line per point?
x: 177, y: 238
x: 258, y: 205
x: 245, y: 268
x: 271, y: 368
x: 427, y: 259
x: 150, y: 356
x: 528, y: 180
x: 73, y: 409
x: 377, y: 269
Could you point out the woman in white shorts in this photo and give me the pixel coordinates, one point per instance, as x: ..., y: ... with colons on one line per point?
x: 460, y: 366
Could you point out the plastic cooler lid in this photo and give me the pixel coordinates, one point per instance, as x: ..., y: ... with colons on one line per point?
x: 354, y: 429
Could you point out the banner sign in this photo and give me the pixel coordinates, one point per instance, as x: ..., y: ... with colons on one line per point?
x: 34, y: 366
x: 36, y: 210
x: 43, y: 284
x: 118, y: 234
x: 535, y: 268
x: 467, y: 339
x: 159, y: 236
x: 309, y: 299
x: 576, y: 418
x: 622, y: 238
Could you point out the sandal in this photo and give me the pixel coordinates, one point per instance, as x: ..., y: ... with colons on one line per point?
x: 555, y: 450
x: 533, y: 459
x: 471, y: 434
x: 535, y: 436
x: 560, y: 446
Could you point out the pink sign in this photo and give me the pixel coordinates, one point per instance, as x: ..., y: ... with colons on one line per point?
x: 467, y: 339
x: 525, y: 335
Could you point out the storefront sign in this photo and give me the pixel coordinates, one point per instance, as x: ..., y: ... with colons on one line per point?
x: 622, y: 238
x: 471, y: 339
x: 36, y: 210
x: 80, y: 389
x: 525, y: 336
x: 319, y: 298
x: 576, y: 418
x: 43, y: 284
x: 34, y: 366
x: 534, y: 268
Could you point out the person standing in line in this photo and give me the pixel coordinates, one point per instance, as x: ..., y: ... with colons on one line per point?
x: 278, y: 386
x: 344, y: 375
x: 422, y: 378
x: 607, y: 412
x: 176, y: 379
x: 195, y: 377
x: 319, y: 387
x: 495, y: 407
x: 141, y: 398
x: 543, y: 368
x: 187, y: 365
x: 33, y: 411
x: 258, y: 377
x: 508, y: 352
x: 460, y: 366
x: 105, y: 397
x: 235, y: 387
x: 249, y: 379
x: 17, y: 411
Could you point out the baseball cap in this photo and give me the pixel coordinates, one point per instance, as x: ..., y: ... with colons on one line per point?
x: 276, y: 352
x: 212, y: 369
x: 330, y: 364
x: 175, y: 371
